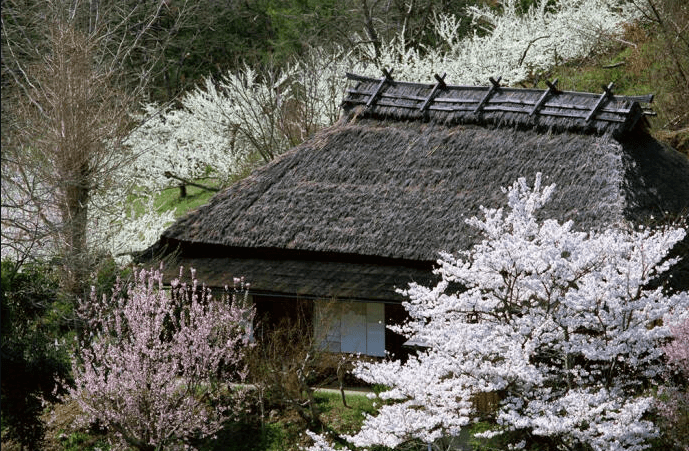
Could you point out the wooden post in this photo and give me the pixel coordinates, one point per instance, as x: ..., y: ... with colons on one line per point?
x: 387, y: 76
x: 491, y: 91
x: 185, y: 182
x: 607, y: 93
x: 439, y: 85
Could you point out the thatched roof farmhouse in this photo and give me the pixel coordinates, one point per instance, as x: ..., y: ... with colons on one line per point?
x: 364, y: 206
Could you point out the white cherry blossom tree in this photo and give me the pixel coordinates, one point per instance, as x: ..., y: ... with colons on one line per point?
x: 559, y: 323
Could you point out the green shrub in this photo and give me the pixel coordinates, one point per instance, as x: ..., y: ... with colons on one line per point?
x: 33, y: 361
x: 81, y: 441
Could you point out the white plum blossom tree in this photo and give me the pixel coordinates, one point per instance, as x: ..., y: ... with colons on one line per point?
x: 157, y: 367
x: 125, y: 224
x: 226, y: 123
x: 205, y: 136
x: 559, y: 323
x: 506, y: 41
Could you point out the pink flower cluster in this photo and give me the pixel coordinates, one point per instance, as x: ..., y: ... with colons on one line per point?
x: 157, y: 368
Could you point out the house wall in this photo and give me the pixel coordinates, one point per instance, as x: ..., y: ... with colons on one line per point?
x: 342, y: 326
x: 277, y: 311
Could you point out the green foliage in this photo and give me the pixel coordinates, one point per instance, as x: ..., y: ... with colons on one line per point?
x: 82, y: 441
x: 297, y: 24
x: 107, y: 274
x: 525, y: 5
x: 379, y: 388
x: 223, y: 36
x: 170, y: 199
x: 33, y: 360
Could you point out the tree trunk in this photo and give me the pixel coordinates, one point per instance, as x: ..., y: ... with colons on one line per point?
x: 75, y: 219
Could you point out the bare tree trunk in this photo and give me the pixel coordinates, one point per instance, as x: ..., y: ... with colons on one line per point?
x: 76, y: 264
x: 370, y: 29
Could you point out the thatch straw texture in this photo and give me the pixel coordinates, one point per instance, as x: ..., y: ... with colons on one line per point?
x: 402, y: 190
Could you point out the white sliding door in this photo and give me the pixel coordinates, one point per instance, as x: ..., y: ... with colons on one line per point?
x: 375, y: 329
x: 352, y: 327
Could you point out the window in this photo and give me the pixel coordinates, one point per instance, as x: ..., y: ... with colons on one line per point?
x: 352, y: 327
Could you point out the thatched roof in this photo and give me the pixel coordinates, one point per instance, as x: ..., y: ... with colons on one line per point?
x: 403, y: 190
x: 390, y: 192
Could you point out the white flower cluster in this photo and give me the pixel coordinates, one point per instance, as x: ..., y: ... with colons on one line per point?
x: 560, y: 323
x: 508, y: 43
x: 120, y: 229
x: 224, y: 123
x: 192, y: 142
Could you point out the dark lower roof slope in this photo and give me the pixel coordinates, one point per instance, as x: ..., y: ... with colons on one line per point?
x: 402, y: 189
x: 318, y: 278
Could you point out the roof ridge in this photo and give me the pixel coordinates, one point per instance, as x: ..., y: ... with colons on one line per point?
x: 551, y: 108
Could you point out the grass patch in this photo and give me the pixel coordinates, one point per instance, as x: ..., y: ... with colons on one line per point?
x: 344, y: 420
x: 639, y: 63
x: 618, y: 65
x: 170, y: 199
x: 284, y: 430
x: 242, y: 436
x: 83, y: 441
x: 63, y: 434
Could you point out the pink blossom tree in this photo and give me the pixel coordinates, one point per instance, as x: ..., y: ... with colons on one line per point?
x: 157, y: 366
x: 559, y: 326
